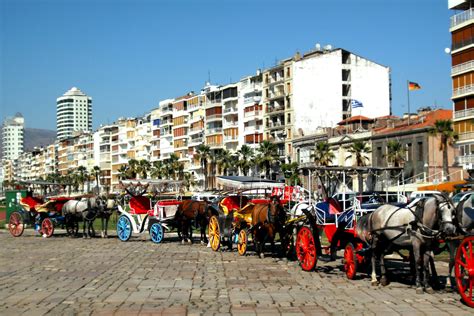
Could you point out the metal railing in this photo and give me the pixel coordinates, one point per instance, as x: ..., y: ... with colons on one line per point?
x: 213, y: 116
x: 466, y: 136
x: 252, y: 113
x: 463, y: 90
x: 464, y: 42
x: 467, y: 66
x: 464, y: 113
x: 467, y: 159
x: 462, y: 17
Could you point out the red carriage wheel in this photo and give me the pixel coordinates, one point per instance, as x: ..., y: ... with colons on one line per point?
x: 47, y: 227
x: 306, y: 249
x: 350, y: 261
x: 464, y: 270
x: 15, y: 224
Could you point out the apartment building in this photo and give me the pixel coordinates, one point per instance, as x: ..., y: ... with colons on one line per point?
x: 250, y: 110
x: 462, y: 70
x: 155, y: 115
x: 166, y: 132
x: 196, y: 135
x: 122, y: 147
x: 230, y: 116
x: 12, y: 137
x: 74, y: 113
x: 75, y: 152
x: 307, y: 92
x: 103, y: 154
x: 143, y: 137
x: 180, y: 128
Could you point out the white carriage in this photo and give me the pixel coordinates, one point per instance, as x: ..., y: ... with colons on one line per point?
x: 141, y: 215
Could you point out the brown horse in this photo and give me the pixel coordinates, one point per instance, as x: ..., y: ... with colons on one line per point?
x: 190, y: 211
x: 267, y: 220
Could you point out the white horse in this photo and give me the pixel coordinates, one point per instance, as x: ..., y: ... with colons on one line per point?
x: 86, y: 210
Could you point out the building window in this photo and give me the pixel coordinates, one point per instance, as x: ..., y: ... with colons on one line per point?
x: 288, y: 118
x: 420, y: 151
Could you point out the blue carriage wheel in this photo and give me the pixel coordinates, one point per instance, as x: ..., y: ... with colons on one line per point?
x: 124, y: 228
x: 156, y: 233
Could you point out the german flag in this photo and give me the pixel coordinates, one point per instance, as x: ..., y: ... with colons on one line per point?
x: 413, y: 86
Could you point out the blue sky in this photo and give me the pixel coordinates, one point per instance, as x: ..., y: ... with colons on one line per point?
x: 130, y: 54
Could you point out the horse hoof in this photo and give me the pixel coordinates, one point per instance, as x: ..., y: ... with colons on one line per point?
x: 374, y: 283
x: 182, y: 242
x: 190, y: 241
x: 203, y: 242
x: 384, y: 281
x: 419, y: 290
x: 262, y: 255
x: 429, y: 290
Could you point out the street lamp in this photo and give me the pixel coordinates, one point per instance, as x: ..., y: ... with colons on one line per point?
x: 425, y: 171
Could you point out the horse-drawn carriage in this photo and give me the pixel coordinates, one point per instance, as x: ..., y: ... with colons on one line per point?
x: 334, y: 218
x: 142, y: 214
x: 44, y: 214
x: 231, y: 215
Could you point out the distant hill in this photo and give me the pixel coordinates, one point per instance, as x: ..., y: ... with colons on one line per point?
x: 35, y: 137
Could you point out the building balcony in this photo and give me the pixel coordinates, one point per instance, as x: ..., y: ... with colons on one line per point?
x: 210, y: 105
x: 462, y: 17
x: 213, y: 117
x: 196, y: 141
x: 461, y: 68
x: 215, y: 145
x: 464, y: 114
x: 231, y: 138
x: 253, y: 129
x: 272, y: 110
x: 465, y: 160
x: 277, y: 125
x: 195, y: 118
x: 275, y: 96
x: 252, y: 99
x: 195, y: 130
x: 181, y: 136
x: 166, y: 122
x: 230, y: 110
x: 214, y: 130
x: 166, y: 111
x: 252, y: 115
x: 461, y: 91
x: 229, y: 124
x: 468, y: 136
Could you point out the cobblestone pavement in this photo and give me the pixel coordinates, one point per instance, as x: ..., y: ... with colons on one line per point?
x: 64, y: 276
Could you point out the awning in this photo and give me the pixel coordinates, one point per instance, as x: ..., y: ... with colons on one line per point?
x: 239, y: 183
x: 443, y: 186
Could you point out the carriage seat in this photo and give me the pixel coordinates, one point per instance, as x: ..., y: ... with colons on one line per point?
x: 329, y: 209
x: 139, y: 205
x: 230, y: 203
x: 30, y: 203
x: 59, y: 202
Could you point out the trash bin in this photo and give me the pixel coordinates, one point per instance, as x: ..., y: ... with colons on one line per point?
x: 12, y: 199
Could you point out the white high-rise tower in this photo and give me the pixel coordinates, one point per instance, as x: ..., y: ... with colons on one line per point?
x: 12, y: 142
x: 74, y: 113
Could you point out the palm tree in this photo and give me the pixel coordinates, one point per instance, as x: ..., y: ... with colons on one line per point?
x: 291, y: 173
x: 157, y: 170
x: 188, y: 180
x: 444, y: 129
x: 267, y: 155
x: 203, y: 154
x: 82, y: 176
x: 359, y: 150
x: 323, y: 154
x: 224, y: 160
x: 143, y: 166
x: 96, y: 172
x: 395, y: 153
x: 172, y: 166
x: 246, y: 155
x: 123, y: 172
x: 132, y: 168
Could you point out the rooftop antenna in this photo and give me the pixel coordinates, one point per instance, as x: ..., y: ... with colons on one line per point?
x: 209, y: 76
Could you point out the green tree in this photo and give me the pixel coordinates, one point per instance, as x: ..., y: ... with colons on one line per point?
x: 395, y: 153
x: 157, y: 170
x: 267, y: 155
x: 322, y: 155
x: 291, y: 173
x: 224, y: 161
x: 203, y: 154
x: 245, y: 161
x: 96, y: 173
x: 188, y: 180
x: 82, y: 176
x: 359, y: 150
x: 143, y: 167
x: 132, y: 168
x: 444, y: 129
x: 124, y: 172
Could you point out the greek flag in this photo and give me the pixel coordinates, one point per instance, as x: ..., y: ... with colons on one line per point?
x: 356, y: 104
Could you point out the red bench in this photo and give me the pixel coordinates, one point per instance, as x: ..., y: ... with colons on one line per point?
x: 139, y: 205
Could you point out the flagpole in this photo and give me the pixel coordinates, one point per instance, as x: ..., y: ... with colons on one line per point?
x: 408, y: 96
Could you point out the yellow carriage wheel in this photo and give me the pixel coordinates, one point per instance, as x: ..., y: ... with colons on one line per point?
x: 214, y: 233
x: 242, y: 245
